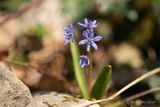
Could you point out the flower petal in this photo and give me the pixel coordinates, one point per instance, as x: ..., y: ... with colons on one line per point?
x: 88, y: 47
x: 94, y: 22
x: 90, y: 33
x: 97, y: 38
x: 85, y: 20
x: 82, y: 42
x: 94, y: 45
x: 66, y: 42
x: 82, y: 62
x: 85, y: 35
x: 66, y: 28
x: 95, y: 25
x: 72, y: 38
x: 81, y: 24
x: 83, y: 65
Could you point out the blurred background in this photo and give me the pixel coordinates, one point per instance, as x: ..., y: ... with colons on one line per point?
x: 31, y: 32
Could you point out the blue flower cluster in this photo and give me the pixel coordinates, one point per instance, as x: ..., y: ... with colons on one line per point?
x: 89, y: 38
x: 68, y: 34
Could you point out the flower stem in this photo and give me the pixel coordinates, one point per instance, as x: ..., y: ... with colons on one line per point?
x: 89, y: 71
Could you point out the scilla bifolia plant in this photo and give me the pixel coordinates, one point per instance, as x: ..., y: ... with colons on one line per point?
x: 84, y: 62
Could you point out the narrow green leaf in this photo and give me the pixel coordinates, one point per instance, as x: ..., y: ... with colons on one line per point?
x: 80, y: 76
x: 101, y: 82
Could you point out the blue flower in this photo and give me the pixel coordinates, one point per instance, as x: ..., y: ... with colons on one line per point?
x: 68, y: 34
x: 90, y: 39
x: 88, y: 24
x: 84, y: 61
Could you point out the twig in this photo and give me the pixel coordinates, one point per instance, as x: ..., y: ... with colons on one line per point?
x: 152, y: 90
x: 144, y: 76
x: 20, y: 12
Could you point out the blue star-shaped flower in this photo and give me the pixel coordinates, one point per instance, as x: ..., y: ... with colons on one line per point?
x: 68, y: 34
x: 84, y: 61
x: 90, y: 39
x: 88, y: 24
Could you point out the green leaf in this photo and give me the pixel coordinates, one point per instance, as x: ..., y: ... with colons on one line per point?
x: 40, y: 31
x: 80, y: 76
x: 101, y: 82
x: 20, y: 58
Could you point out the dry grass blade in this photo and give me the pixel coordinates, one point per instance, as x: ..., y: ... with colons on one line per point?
x: 152, y: 90
x: 144, y: 76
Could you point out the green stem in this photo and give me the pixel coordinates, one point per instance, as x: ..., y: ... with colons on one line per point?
x: 79, y: 73
x: 89, y: 71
